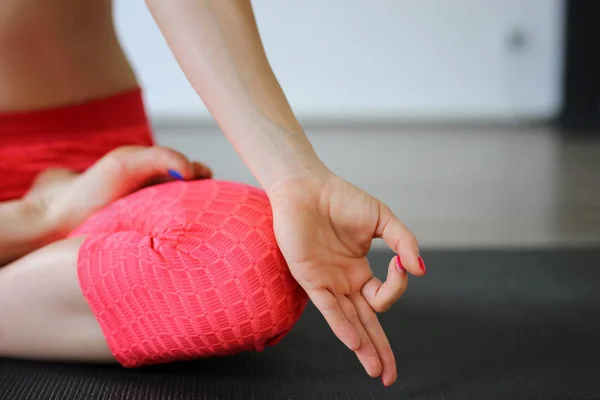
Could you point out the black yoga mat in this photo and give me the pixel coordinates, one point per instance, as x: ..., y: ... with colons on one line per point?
x: 481, y: 325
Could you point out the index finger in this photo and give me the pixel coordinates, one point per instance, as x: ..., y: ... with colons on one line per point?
x: 400, y: 240
x: 381, y: 296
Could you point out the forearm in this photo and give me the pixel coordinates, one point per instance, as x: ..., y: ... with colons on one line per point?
x: 217, y: 44
x: 22, y: 230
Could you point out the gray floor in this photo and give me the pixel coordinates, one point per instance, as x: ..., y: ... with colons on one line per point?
x: 455, y: 187
x: 481, y: 325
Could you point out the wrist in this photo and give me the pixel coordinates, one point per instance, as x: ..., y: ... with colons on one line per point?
x: 44, y: 228
x: 23, y: 229
x: 279, y: 155
x: 294, y: 172
x: 300, y: 186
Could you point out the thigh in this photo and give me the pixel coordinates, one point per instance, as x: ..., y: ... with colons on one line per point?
x: 43, y: 313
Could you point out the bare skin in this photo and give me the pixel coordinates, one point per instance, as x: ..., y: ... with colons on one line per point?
x: 60, y: 52
x: 44, y: 314
x: 66, y: 51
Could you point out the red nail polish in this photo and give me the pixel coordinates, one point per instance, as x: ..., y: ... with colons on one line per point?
x: 422, y: 264
x: 399, y: 264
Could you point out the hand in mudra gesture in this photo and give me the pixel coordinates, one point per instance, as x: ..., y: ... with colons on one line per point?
x: 324, y: 227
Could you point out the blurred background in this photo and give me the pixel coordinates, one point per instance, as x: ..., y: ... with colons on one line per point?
x: 477, y: 121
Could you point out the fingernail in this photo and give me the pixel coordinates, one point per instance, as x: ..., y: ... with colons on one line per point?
x: 399, y: 264
x: 176, y: 175
x: 422, y: 264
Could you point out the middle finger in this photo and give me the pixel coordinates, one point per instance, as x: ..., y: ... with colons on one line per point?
x: 377, y: 336
x: 366, y: 353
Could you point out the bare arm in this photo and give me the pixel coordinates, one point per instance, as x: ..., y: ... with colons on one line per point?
x: 218, y: 46
x: 323, y: 224
x: 59, y: 200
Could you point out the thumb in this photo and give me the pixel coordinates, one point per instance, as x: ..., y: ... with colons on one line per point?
x: 400, y: 240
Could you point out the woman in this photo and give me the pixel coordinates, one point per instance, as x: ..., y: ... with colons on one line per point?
x: 178, y: 270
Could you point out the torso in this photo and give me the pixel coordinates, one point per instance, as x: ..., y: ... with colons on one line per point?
x: 59, y: 52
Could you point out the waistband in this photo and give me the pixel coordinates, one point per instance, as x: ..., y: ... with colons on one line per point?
x: 125, y: 109
x: 74, y: 137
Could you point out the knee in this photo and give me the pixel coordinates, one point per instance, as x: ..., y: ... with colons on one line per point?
x: 228, y: 234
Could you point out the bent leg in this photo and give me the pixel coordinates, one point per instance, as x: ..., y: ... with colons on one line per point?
x: 43, y: 313
x: 203, y: 277
x: 173, y: 272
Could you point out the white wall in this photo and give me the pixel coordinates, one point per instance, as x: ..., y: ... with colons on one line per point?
x: 381, y: 58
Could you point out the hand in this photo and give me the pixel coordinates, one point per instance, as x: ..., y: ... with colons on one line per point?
x: 67, y: 199
x: 324, y: 227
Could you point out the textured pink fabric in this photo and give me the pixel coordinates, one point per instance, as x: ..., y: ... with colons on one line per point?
x: 186, y: 270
